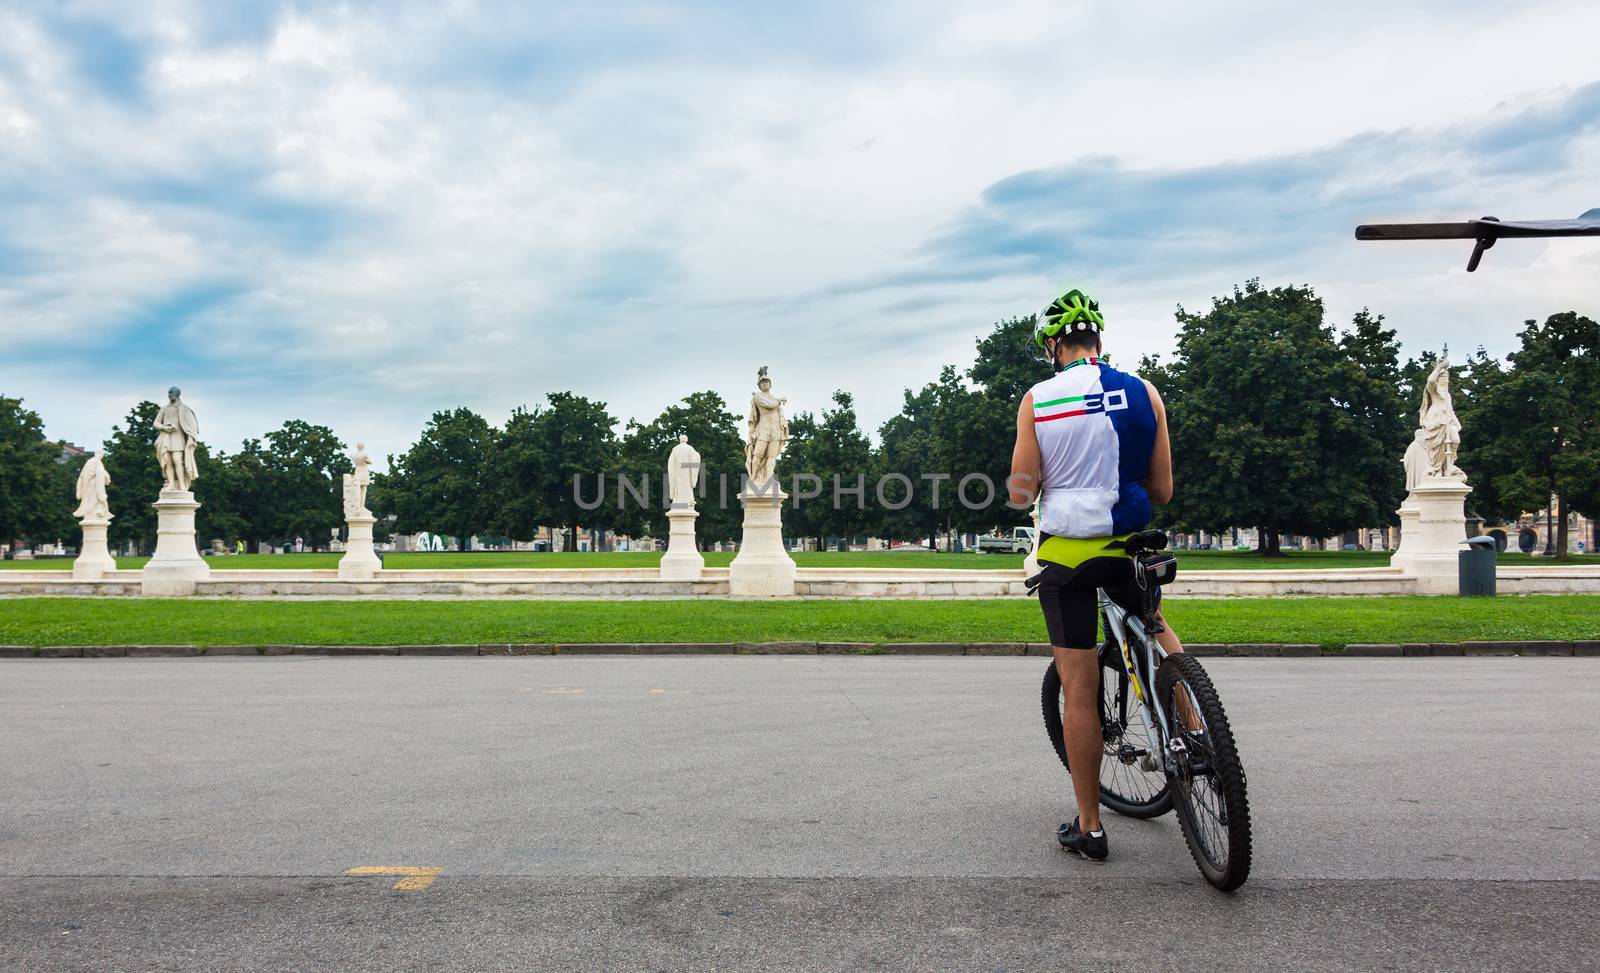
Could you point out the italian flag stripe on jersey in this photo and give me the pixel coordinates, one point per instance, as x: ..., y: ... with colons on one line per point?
x: 1068, y: 406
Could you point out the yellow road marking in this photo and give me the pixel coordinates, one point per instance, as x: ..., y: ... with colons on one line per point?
x: 416, y: 879
x: 669, y: 692
x: 563, y: 692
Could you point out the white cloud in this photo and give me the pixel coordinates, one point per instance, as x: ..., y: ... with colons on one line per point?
x: 360, y: 214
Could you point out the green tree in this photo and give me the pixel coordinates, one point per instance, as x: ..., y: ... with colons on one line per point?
x: 808, y: 489
x: 714, y: 432
x: 248, y: 489
x: 130, y: 461
x: 953, y: 444
x: 223, y: 492
x: 1371, y: 397
x: 1275, y: 420
x: 516, y: 463
x: 980, y: 430
x: 215, y: 516
x: 1005, y: 368
x: 29, y: 479
x: 439, y: 484
x: 1529, y: 432
x: 911, y: 447
x: 307, y: 464
x: 832, y: 448
x: 578, y: 440
x: 57, y: 520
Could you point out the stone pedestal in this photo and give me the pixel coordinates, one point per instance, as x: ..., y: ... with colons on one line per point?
x: 1433, y: 523
x: 683, y: 562
x: 94, y: 557
x: 176, y: 564
x: 360, y: 561
x: 762, y: 567
x: 1409, y: 528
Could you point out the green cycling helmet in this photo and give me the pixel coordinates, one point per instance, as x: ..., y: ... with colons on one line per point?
x: 1072, y: 311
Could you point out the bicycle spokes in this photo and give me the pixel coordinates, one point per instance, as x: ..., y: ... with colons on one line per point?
x: 1132, y: 779
x: 1207, y: 779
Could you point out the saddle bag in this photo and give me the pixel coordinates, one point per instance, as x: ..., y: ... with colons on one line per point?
x: 1152, y: 569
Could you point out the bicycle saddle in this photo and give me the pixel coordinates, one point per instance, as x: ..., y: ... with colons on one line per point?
x: 1146, y: 540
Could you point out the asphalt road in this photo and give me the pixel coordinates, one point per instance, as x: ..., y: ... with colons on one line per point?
x: 771, y: 813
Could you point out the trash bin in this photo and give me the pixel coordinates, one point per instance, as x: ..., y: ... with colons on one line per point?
x: 1477, y: 567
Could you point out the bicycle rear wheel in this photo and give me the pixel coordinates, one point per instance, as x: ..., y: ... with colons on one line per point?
x: 1208, y: 783
x: 1131, y: 780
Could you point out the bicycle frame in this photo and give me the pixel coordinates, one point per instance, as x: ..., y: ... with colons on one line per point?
x: 1126, y: 631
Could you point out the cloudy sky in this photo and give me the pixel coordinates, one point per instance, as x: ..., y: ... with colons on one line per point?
x: 358, y: 214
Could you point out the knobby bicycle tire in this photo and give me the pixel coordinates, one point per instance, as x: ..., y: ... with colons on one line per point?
x: 1232, y: 817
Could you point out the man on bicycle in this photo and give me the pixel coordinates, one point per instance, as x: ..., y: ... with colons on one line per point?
x: 1092, y: 446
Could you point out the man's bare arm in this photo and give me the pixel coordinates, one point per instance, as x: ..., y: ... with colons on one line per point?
x: 1023, y: 484
x: 1158, y: 481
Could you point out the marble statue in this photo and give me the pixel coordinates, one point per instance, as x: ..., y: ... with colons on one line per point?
x: 683, y: 473
x: 91, y: 491
x: 1416, y: 460
x: 768, y: 431
x: 1433, y: 519
x: 355, y: 484
x: 360, y: 561
x: 1440, y: 427
x: 177, y: 434
x: 94, y: 516
x: 176, y: 567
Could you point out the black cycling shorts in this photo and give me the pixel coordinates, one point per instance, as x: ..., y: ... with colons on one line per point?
x: 1071, y: 606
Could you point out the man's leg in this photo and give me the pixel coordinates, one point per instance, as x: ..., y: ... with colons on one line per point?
x: 1079, y: 669
x: 1168, y: 639
x: 1071, y: 615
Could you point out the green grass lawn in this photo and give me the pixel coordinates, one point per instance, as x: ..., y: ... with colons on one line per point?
x: 419, y: 561
x: 1326, y: 621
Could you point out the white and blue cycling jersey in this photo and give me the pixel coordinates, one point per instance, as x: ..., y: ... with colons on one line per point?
x: 1096, y: 427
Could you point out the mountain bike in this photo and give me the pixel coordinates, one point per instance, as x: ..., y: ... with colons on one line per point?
x: 1167, y: 740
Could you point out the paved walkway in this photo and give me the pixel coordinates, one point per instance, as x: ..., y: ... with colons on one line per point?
x: 770, y: 813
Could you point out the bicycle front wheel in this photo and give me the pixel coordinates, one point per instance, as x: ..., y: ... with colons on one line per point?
x: 1208, y: 782
x: 1131, y: 780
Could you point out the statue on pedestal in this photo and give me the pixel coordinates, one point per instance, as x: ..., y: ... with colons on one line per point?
x: 763, y: 567
x: 177, y: 433
x: 1433, y: 519
x: 360, y: 561
x: 1440, y: 427
x: 683, y: 473
x: 682, y: 560
x: 94, y: 515
x: 176, y: 566
x: 768, y: 431
x: 91, y: 491
x: 355, y: 484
